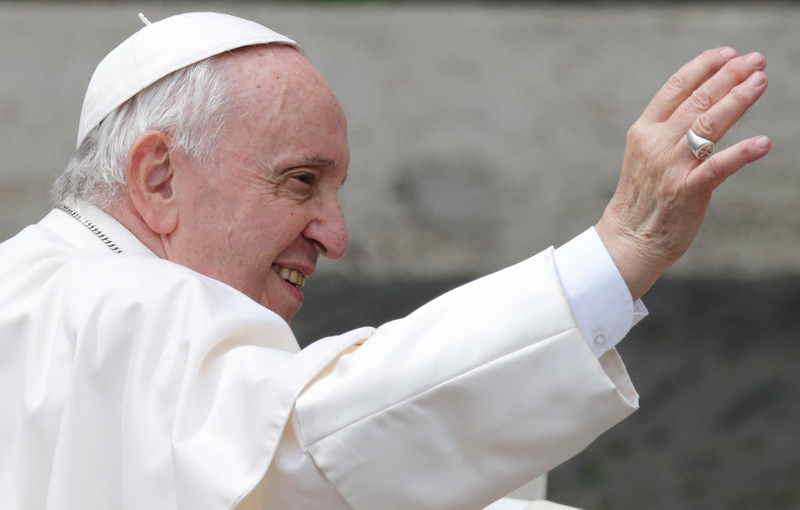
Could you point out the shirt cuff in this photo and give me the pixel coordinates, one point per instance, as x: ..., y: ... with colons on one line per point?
x: 600, y: 300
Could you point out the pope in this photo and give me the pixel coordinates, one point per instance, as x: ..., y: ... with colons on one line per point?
x: 146, y: 358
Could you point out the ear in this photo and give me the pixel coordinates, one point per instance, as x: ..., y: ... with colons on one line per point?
x: 150, y: 175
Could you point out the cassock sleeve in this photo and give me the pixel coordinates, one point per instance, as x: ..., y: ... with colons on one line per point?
x: 170, y: 390
x: 464, y: 400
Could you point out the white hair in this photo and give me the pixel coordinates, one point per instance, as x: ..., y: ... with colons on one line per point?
x: 190, y: 105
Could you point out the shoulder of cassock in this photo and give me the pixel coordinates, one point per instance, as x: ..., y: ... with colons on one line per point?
x: 141, y: 375
x: 170, y: 390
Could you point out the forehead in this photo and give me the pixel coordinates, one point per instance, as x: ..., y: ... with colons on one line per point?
x: 272, y: 79
x: 282, y: 99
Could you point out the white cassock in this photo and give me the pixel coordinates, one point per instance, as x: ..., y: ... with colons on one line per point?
x: 129, y: 382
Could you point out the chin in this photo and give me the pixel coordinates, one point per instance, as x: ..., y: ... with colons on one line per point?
x: 285, y: 312
x: 281, y: 303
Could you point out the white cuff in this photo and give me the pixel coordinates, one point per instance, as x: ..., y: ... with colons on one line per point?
x: 596, y: 292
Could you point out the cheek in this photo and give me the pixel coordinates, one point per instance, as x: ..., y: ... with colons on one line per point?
x: 263, y: 241
x: 255, y: 235
x: 288, y: 235
x: 292, y: 223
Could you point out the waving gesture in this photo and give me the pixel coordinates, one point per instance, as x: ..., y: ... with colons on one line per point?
x: 668, y: 177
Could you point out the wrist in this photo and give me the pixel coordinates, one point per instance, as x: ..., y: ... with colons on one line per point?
x: 637, y: 267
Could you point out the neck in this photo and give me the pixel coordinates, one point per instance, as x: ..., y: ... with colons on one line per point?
x: 123, y: 211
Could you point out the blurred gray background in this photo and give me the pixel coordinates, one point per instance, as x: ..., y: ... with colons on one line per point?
x: 482, y: 133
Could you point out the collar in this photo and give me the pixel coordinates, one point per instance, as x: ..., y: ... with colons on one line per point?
x: 77, y: 234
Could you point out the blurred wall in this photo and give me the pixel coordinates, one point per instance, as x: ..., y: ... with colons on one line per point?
x: 481, y: 136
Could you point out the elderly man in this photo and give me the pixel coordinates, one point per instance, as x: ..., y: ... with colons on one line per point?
x: 147, y: 360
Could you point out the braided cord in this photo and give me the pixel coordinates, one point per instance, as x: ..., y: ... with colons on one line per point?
x: 91, y: 226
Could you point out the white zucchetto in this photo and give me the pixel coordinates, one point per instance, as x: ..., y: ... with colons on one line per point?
x: 161, y: 48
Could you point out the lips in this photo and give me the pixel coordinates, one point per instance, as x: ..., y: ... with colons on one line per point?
x: 292, y: 276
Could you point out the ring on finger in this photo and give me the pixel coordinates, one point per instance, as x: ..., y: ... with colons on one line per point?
x: 701, y: 147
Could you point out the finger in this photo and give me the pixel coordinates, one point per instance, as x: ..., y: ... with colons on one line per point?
x: 722, y: 116
x: 681, y: 84
x: 714, y: 90
x: 707, y: 177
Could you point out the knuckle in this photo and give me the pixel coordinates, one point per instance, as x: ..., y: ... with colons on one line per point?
x: 700, y: 101
x: 745, y: 151
x: 705, y: 126
x: 709, y: 58
x: 715, y: 169
x: 739, y: 96
x: 734, y: 70
x: 634, y: 133
x: 676, y: 81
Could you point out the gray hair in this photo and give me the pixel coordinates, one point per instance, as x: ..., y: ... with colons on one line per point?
x: 189, y: 105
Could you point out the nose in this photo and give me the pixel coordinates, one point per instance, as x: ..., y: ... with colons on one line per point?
x: 328, y: 231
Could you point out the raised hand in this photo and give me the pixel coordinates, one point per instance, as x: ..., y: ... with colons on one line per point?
x: 664, y: 190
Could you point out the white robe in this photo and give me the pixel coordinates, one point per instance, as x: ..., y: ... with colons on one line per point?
x: 130, y: 382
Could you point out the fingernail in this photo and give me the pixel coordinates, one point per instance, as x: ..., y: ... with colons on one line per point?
x: 728, y: 53
x: 762, y: 142
x: 756, y: 80
x: 755, y: 59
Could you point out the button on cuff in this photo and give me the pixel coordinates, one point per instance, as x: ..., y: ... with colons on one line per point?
x: 599, y: 339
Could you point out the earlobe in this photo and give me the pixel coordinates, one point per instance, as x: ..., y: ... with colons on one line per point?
x: 150, y: 176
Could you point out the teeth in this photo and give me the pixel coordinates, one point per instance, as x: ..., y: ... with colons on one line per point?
x: 290, y: 275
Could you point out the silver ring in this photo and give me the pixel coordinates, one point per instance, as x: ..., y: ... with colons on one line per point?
x: 702, y: 148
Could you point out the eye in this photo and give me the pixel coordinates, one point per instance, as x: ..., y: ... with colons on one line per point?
x: 306, y: 178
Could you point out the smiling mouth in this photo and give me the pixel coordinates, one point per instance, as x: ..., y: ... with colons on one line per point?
x: 292, y: 276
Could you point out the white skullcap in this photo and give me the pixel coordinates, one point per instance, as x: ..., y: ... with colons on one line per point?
x: 159, y: 49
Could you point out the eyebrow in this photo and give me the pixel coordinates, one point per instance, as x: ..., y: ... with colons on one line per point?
x: 320, y: 161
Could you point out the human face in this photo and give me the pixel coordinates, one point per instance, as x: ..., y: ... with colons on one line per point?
x: 263, y: 211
